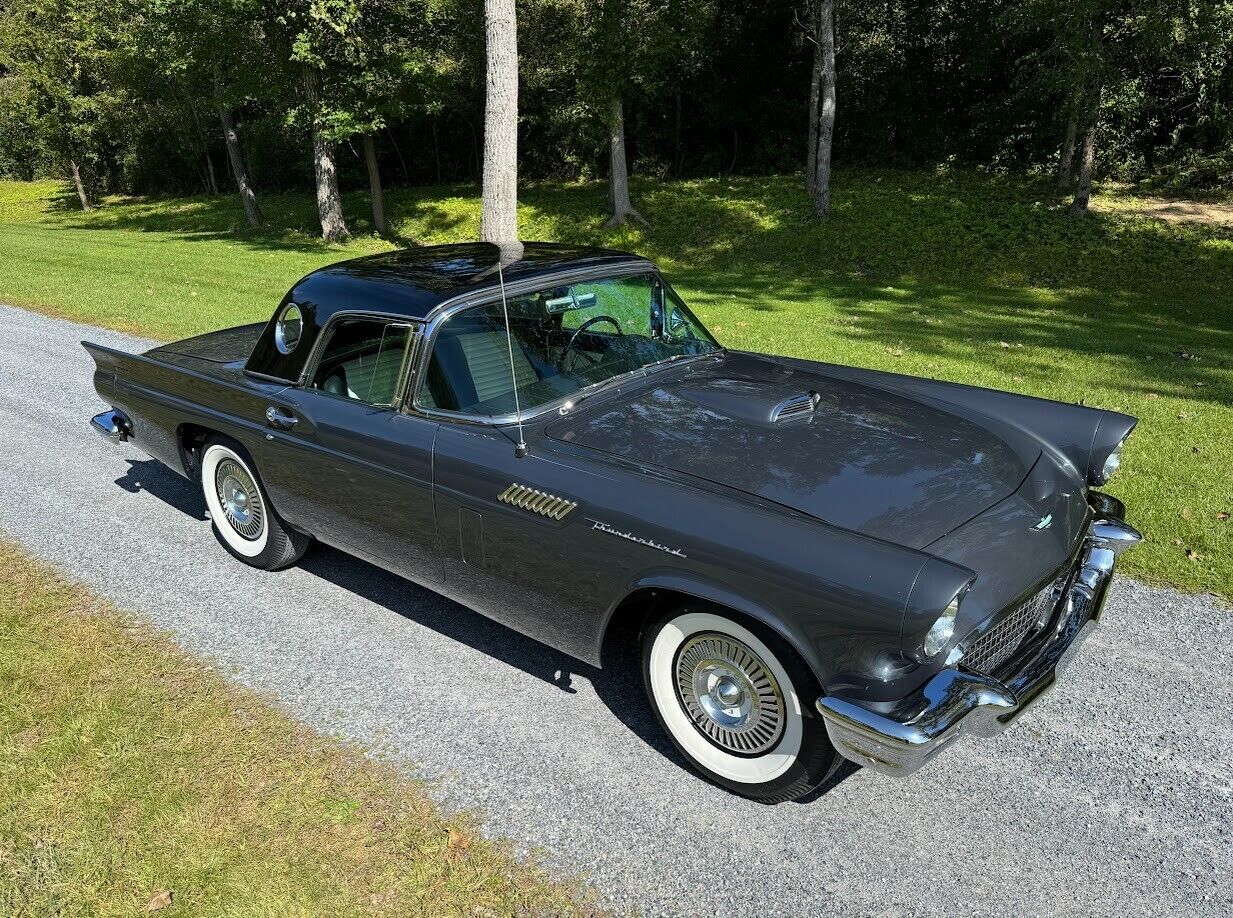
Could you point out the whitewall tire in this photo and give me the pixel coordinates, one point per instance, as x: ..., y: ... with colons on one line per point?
x: 737, y: 702
x: 243, y: 519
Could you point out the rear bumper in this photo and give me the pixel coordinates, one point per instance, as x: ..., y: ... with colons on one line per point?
x: 113, y: 425
x: 955, y: 702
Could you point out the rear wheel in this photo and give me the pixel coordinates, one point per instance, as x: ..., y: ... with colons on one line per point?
x: 243, y: 519
x: 735, y: 699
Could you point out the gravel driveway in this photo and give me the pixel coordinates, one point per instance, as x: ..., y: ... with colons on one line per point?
x: 1114, y: 796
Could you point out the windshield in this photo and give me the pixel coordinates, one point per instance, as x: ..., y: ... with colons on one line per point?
x: 564, y: 339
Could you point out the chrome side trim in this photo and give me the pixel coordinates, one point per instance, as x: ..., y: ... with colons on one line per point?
x: 549, y: 505
x: 954, y: 702
x: 113, y: 425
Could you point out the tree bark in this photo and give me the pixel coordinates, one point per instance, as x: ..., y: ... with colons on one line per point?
x: 248, y: 197
x: 825, y: 37
x: 329, y: 202
x: 81, y: 187
x: 811, y: 144
x: 621, y: 209
x: 1091, y: 115
x: 374, y: 187
x: 210, y: 173
x: 499, y: 218
x: 1087, y: 158
x: 1066, y: 163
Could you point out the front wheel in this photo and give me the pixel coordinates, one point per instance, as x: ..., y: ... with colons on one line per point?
x: 735, y: 699
x: 243, y: 519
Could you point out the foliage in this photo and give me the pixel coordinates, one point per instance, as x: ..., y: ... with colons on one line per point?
x: 953, y: 274
x: 709, y: 88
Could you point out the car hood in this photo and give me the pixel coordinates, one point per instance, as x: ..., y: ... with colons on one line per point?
x: 865, y: 458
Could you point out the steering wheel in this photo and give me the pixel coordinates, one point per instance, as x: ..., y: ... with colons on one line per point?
x: 573, y: 339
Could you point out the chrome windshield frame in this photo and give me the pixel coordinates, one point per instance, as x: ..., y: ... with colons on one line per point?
x: 447, y: 310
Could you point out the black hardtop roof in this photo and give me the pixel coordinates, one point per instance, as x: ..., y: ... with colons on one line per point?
x: 412, y: 282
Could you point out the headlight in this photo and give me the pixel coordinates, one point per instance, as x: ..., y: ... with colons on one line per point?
x: 943, y: 629
x: 1112, y: 463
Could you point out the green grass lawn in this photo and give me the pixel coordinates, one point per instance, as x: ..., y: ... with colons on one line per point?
x: 132, y: 773
x: 961, y: 276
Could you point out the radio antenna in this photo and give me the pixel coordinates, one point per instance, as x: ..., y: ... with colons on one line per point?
x: 514, y: 253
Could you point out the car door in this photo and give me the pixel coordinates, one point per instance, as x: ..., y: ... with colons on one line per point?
x: 348, y: 465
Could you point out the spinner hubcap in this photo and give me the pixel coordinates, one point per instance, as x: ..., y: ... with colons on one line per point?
x: 240, y: 499
x: 729, y: 694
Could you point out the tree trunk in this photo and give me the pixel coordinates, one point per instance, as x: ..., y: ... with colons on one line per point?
x: 1068, y: 143
x: 1091, y: 115
x: 499, y: 219
x: 1087, y: 158
x: 825, y: 37
x: 252, y: 211
x: 621, y: 208
x: 436, y: 148
x: 374, y: 187
x: 81, y: 187
x: 811, y: 144
x: 329, y: 202
x: 678, y: 155
x: 210, y: 173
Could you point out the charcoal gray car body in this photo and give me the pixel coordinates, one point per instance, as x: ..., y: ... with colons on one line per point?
x: 842, y: 509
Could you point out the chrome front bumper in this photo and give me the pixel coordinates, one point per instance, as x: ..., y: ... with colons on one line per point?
x: 954, y: 702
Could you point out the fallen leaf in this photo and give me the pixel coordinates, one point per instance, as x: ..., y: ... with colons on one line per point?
x: 895, y: 351
x: 1185, y: 355
x: 742, y: 324
x: 1193, y: 555
x: 1185, y: 514
x: 1183, y: 416
x: 1178, y: 542
x: 383, y: 898
x: 159, y: 901
x: 1003, y: 344
x: 459, y: 841
x: 1152, y: 395
x: 1223, y: 515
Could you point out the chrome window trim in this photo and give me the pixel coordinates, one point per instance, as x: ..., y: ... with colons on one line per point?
x: 280, y: 335
x: 323, y: 337
x: 443, y: 312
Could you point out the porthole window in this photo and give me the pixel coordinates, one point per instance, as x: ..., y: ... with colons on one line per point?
x: 288, y: 329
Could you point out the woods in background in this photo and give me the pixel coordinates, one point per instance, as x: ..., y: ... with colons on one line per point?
x: 175, y: 96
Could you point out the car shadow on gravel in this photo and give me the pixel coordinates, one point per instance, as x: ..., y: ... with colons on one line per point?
x: 157, y: 480
x: 618, y: 684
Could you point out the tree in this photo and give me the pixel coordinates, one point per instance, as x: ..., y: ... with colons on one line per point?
x: 612, y: 29
x: 821, y: 106
x: 63, y: 60
x: 499, y: 211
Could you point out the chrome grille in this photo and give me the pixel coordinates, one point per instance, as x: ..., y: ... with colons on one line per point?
x: 999, y: 643
x: 525, y: 498
x: 795, y: 407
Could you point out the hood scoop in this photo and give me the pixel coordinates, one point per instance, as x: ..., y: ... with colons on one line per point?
x: 798, y: 406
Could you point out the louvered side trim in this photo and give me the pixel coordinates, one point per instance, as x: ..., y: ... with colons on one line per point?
x: 548, y: 505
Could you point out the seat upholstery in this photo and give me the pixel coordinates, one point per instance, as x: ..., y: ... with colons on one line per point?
x: 472, y: 366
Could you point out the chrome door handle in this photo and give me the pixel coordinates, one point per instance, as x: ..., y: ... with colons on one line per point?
x: 279, y: 418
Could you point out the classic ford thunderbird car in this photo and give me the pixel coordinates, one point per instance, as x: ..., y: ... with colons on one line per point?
x: 819, y: 561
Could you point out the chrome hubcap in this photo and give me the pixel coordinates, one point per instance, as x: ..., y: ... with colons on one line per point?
x: 729, y: 694
x: 240, y: 499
